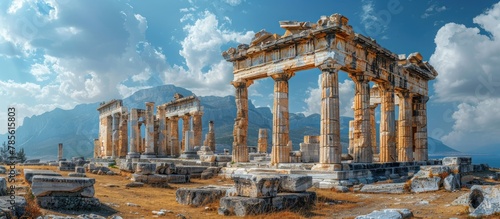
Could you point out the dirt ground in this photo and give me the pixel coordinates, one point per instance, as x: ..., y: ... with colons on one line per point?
x: 140, y: 202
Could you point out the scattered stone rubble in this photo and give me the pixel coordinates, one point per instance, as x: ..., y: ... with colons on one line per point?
x: 482, y: 200
x: 392, y: 213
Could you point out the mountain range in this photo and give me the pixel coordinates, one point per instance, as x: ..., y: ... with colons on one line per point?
x: 77, y: 128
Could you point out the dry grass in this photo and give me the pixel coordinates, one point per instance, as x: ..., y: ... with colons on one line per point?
x: 32, y: 210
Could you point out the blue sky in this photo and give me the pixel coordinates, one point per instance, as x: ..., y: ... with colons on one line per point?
x: 60, y: 53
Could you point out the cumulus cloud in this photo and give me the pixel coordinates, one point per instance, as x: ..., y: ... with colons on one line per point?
x: 467, y: 63
x: 432, y: 10
x: 233, y: 2
x: 75, y: 58
x: 346, y: 96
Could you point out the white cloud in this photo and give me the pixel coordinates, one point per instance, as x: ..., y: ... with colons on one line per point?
x: 346, y: 96
x: 432, y: 10
x: 233, y: 2
x: 467, y: 63
x: 374, y: 25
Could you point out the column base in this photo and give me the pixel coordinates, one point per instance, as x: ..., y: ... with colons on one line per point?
x: 161, y: 156
x: 131, y: 155
x: 189, y: 155
x: 327, y: 167
x: 144, y: 156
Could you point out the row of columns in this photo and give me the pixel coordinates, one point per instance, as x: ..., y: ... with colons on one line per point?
x: 363, y: 133
x: 113, y: 141
x: 165, y: 129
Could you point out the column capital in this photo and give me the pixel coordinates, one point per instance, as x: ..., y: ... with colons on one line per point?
x: 405, y: 94
x: 242, y: 83
x: 420, y: 99
x: 330, y: 65
x: 359, y: 78
x: 284, y: 76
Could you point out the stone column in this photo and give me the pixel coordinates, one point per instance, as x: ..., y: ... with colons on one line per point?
x: 123, y: 136
x: 60, y: 152
x: 362, y: 134
x: 162, y: 131
x: 168, y: 142
x: 108, y: 142
x: 405, y: 142
x: 350, y: 148
x: 115, y: 136
x: 262, y: 141
x: 373, y: 129
x: 189, y: 140
x: 197, y: 128
x: 135, y: 134
x: 387, y: 125
x: 97, y: 148
x: 240, y: 130
x: 330, y: 147
x: 149, y: 149
x: 174, y: 136
x: 186, y: 126
x: 421, y: 150
x: 281, y: 127
x: 210, y: 137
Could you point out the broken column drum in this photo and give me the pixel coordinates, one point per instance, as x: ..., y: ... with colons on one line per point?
x: 210, y: 136
x: 262, y: 141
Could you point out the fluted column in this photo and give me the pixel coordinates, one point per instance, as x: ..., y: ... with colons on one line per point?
x: 262, y: 141
x: 115, y: 136
x: 108, y: 142
x: 350, y: 148
x: 150, y: 138
x: 197, y: 128
x: 240, y: 130
x: 135, y: 134
x: 281, y: 124
x: 387, y: 125
x: 162, y: 131
x: 123, y: 138
x: 186, y: 126
x: 362, y: 134
x: 174, y: 136
x: 405, y: 142
x: 421, y: 150
x: 330, y: 147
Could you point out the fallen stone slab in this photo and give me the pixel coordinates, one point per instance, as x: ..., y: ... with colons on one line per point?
x: 293, y: 201
x: 425, y: 184
x: 62, y: 186
x: 145, y: 168
x: 200, y: 196
x: 391, y: 188
x: 402, y: 213
x: 15, y: 206
x: 29, y: 173
x: 294, y: 183
x: 456, y: 160
x: 68, y: 202
x: 484, y: 200
x: 244, y: 206
x: 77, y: 175
x: 431, y: 171
x: 165, y: 168
x: 176, y: 178
x: 257, y: 185
x: 134, y: 185
x: 210, y: 172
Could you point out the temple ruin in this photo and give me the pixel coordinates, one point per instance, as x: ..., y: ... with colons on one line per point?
x: 331, y: 45
x: 161, y: 135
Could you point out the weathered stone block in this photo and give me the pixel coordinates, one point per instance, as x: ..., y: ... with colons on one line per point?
x: 388, y: 213
x: 200, y: 196
x: 452, y: 182
x: 62, y: 186
x: 484, y: 200
x: 434, y: 170
x: 177, y: 178
x: 207, y: 158
x: 243, y: 206
x: 68, y: 202
x: 80, y: 170
x: 139, y: 178
x: 77, y: 175
x: 14, y: 206
x: 392, y: 188
x: 293, y: 201
x: 257, y: 185
x: 157, y: 179
x: 425, y: 184
x: 210, y: 172
x: 29, y: 173
x: 456, y: 160
x: 66, y: 166
x: 295, y: 183
x: 3, y: 186
x: 145, y: 168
